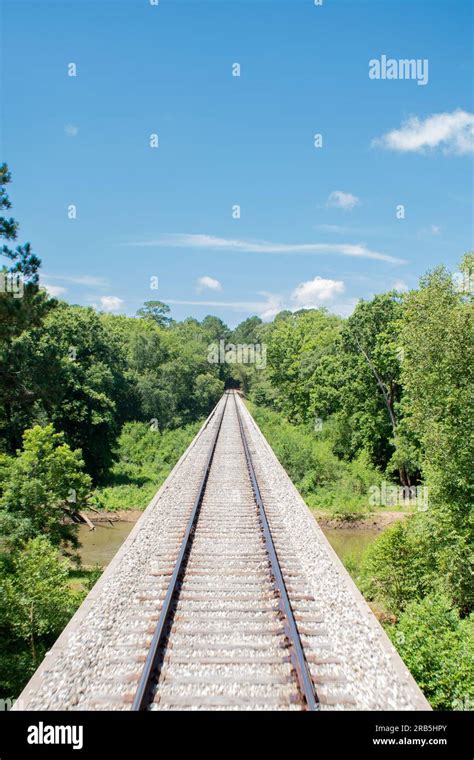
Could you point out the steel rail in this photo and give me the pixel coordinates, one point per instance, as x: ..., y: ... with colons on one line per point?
x: 143, y: 694
x: 297, y: 654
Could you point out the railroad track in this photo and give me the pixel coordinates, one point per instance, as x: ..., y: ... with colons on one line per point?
x: 225, y: 596
x: 228, y: 634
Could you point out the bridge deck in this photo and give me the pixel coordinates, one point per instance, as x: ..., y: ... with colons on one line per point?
x: 227, y: 642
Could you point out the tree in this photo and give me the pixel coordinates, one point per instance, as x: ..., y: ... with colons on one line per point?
x: 302, y: 355
x: 36, y: 602
x: 79, y: 382
x: 370, y: 387
x: 437, y: 334
x: 394, y: 571
x: 44, y: 484
x: 157, y: 311
x: 26, y: 263
x: 438, y: 648
x: 215, y: 329
x: 247, y: 331
x: 22, y: 306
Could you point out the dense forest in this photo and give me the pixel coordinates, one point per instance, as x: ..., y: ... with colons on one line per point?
x: 96, y: 408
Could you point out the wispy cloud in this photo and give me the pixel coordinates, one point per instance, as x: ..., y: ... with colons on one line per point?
x: 54, y: 290
x: 81, y: 279
x: 431, y: 231
x: 210, y: 242
x: 71, y: 130
x: 339, y: 199
x: 453, y: 132
x: 209, y: 283
x: 255, y: 307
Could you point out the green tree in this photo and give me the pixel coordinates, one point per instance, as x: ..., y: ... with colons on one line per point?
x: 36, y: 602
x: 370, y: 389
x: 157, y: 311
x: 394, y: 570
x: 302, y: 355
x: 45, y: 484
x: 22, y: 306
x: 78, y: 373
x: 438, y: 648
x: 26, y: 263
x: 437, y: 334
x: 247, y: 331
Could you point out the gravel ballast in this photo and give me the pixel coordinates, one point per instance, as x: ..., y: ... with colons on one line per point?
x: 96, y: 661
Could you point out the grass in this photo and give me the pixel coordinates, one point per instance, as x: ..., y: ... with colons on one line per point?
x: 327, y: 483
x: 145, y: 457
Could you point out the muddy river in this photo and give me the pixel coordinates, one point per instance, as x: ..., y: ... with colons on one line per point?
x: 101, y: 544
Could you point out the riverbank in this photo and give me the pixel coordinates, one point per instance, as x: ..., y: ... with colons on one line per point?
x: 375, y: 521
x: 349, y: 538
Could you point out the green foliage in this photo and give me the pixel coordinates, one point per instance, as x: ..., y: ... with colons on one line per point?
x: 437, y: 332
x: 26, y: 263
x: 438, y: 648
x: 145, y: 457
x: 44, y: 484
x: 370, y: 390
x: 36, y: 602
x: 325, y: 481
x: 394, y: 571
x: 302, y: 354
x: 157, y: 311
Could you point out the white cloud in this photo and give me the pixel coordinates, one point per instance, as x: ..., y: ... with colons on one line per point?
x: 307, y: 295
x: 208, y: 282
x: 339, y: 199
x: 313, y: 293
x: 400, y: 285
x: 435, y: 230
x: 111, y: 303
x: 54, y: 290
x: 71, y: 130
x: 454, y: 132
x: 210, y: 242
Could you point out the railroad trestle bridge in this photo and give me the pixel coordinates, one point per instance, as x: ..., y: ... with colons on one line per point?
x: 226, y: 595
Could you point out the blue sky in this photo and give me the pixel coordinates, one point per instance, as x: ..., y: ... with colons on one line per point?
x: 317, y: 226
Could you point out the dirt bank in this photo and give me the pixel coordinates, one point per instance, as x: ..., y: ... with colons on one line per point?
x: 376, y: 521
x: 121, y: 515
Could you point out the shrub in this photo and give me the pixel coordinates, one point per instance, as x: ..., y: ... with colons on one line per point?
x: 438, y: 648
